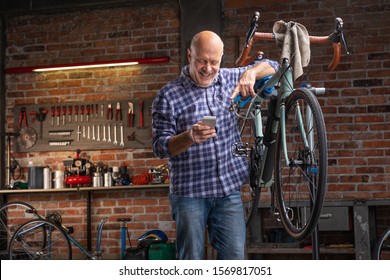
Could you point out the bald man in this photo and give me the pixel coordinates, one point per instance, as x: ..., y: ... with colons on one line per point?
x: 205, y: 177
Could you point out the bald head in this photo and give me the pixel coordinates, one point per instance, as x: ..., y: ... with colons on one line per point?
x: 204, y: 57
x: 207, y: 41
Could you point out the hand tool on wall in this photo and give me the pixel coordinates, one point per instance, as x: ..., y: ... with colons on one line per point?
x: 104, y: 133
x: 122, y: 144
x: 93, y: 132
x: 88, y: 113
x: 118, y: 112
x: 102, y: 110
x: 82, y: 113
x: 96, y: 110
x: 22, y: 117
x: 109, y: 112
x: 98, y: 132
x: 58, y: 115
x: 27, y: 136
x: 70, y: 111
x: 130, y: 115
x: 132, y: 137
x: 63, y: 115
x: 76, y: 112
x: 40, y: 116
x: 115, y: 140
x: 78, y: 133
x: 60, y: 142
x: 141, y: 114
x: 53, y: 109
x: 109, y: 133
x: 60, y: 132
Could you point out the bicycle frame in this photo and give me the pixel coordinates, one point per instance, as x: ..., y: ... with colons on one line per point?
x: 283, y: 81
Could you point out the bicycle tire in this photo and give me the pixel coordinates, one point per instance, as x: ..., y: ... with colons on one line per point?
x: 27, y: 242
x: 12, y: 215
x: 382, y: 248
x: 300, y: 184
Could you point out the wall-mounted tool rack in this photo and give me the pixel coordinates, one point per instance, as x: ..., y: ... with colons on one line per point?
x: 124, y: 124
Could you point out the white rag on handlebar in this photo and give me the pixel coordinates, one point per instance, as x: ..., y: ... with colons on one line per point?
x: 293, y: 40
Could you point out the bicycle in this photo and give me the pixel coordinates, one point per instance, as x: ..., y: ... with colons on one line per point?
x: 382, y: 248
x: 290, y: 156
x: 12, y: 215
x: 46, y: 238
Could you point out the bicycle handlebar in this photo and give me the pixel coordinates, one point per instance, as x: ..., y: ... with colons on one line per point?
x: 336, y: 38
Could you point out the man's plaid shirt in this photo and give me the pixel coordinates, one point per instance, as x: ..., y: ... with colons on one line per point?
x: 209, y: 169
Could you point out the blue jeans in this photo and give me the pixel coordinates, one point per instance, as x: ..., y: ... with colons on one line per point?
x: 224, y: 218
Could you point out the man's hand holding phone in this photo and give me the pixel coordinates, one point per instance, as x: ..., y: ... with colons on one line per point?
x: 204, y: 129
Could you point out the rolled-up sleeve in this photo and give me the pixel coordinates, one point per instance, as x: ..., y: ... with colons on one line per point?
x: 163, y: 127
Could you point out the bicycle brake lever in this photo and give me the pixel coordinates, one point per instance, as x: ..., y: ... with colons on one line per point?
x: 253, y: 28
x: 338, y: 34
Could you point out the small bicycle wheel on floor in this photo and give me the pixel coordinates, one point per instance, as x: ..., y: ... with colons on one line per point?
x: 301, y: 174
x: 382, y: 248
x: 12, y: 215
x: 39, y: 240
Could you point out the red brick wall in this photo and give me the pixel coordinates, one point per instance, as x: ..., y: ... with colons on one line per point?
x: 95, y: 35
x: 356, y: 106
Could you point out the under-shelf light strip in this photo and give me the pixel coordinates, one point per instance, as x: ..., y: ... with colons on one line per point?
x: 87, y: 65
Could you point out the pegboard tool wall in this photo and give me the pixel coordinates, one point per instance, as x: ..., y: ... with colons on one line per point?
x: 83, y: 126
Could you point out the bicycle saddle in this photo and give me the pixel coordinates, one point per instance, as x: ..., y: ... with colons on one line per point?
x: 152, y: 237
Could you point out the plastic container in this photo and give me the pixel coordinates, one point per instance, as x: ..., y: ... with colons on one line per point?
x: 162, y: 251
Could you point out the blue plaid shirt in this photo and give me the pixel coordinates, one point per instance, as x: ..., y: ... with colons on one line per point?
x: 209, y: 169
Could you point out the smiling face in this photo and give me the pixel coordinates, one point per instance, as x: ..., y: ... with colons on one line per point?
x: 204, y: 57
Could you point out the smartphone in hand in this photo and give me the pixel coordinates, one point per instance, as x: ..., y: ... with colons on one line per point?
x: 209, y: 120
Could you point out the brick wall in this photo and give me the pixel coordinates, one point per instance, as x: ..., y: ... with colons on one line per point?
x: 356, y: 104
x: 84, y: 36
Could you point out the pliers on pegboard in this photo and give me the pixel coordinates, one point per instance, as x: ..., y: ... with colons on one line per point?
x: 23, y: 117
x: 109, y: 112
x: 118, y: 112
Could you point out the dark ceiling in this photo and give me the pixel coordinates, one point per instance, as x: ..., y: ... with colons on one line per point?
x: 36, y: 6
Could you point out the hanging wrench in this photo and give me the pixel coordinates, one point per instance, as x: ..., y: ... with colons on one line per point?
x: 115, y: 141
x: 104, y: 133
x: 109, y: 133
x: 93, y: 132
x: 98, y: 132
x: 122, y: 143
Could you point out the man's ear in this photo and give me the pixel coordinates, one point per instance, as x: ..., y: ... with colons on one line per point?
x: 188, y: 55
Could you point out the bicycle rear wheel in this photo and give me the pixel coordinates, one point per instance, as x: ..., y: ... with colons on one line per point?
x: 300, y: 183
x: 382, y: 248
x: 12, y: 215
x: 27, y: 242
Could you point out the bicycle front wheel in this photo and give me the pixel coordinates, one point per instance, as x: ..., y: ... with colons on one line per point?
x: 382, y: 248
x: 27, y: 242
x: 300, y: 181
x: 13, y: 215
